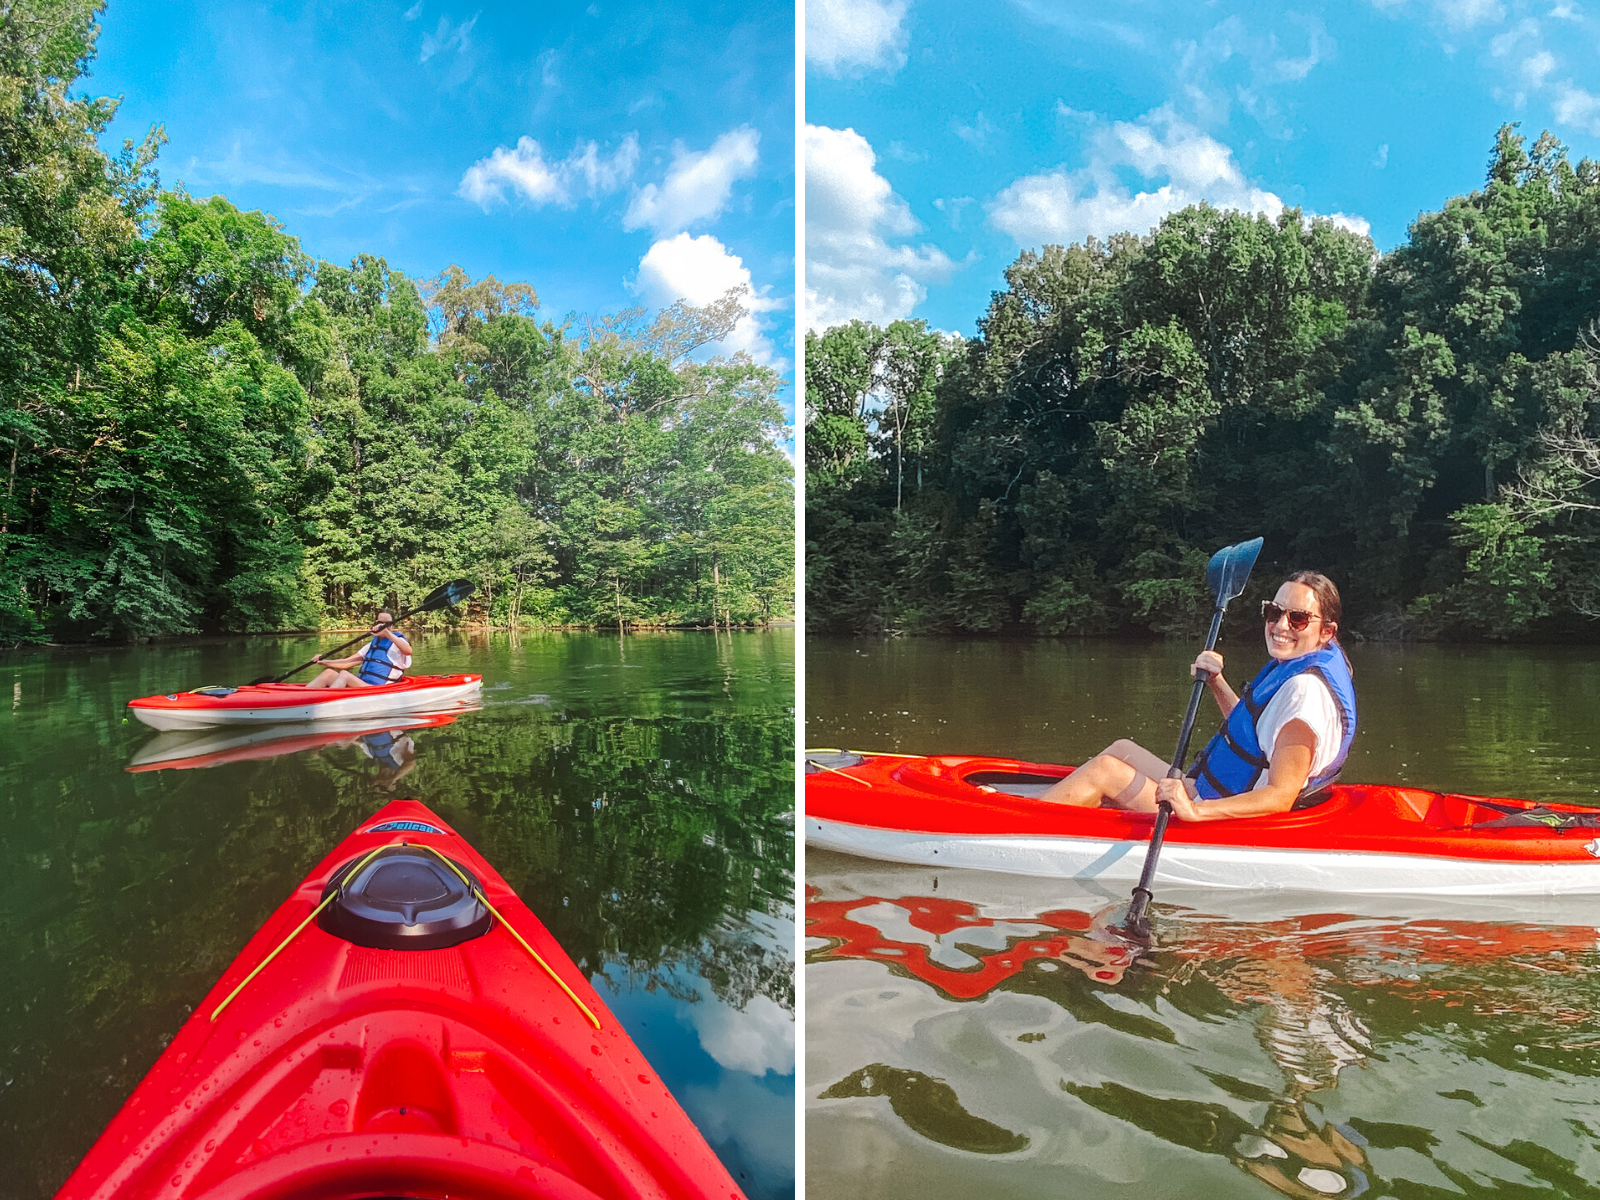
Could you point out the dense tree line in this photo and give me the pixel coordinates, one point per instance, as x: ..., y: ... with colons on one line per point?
x: 201, y: 427
x: 1422, y: 425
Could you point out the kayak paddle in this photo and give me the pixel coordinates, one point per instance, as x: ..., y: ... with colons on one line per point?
x: 1226, y: 575
x: 446, y: 595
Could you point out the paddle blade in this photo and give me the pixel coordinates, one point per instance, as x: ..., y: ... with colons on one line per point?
x: 1229, y: 569
x: 446, y: 595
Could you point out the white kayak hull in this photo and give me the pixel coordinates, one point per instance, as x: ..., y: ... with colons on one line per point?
x: 1192, y: 865
x: 350, y: 705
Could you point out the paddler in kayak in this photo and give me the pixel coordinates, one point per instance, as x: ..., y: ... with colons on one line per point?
x: 1284, y: 738
x: 384, y: 660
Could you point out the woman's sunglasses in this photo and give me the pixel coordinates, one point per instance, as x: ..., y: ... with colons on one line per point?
x: 1299, y: 618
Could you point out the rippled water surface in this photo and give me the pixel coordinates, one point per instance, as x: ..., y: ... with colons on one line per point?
x: 971, y: 1033
x: 636, y: 793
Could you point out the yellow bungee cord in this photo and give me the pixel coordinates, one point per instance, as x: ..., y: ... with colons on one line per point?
x: 329, y: 899
x: 494, y: 912
x: 560, y: 983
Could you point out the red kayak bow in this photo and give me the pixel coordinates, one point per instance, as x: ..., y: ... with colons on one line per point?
x: 402, y: 1025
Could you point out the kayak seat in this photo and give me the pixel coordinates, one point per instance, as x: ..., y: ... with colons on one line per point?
x: 1312, y: 799
x: 1014, y: 783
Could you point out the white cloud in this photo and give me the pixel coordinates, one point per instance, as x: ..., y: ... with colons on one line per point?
x: 414, y: 11
x: 757, y: 1040
x: 1577, y: 107
x: 975, y: 135
x: 1064, y: 206
x: 444, y: 37
x: 1464, y: 14
x: 526, y: 171
x: 1536, y: 67
x: 1356, y: 225
x: 852, y: 271
x: 1234, y: 62
x: 697, y: 185
x: 700, y: 270
x: 855, y: 34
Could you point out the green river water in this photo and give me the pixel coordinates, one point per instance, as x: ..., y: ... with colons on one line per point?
x: 637, y: 793
x: 966, y: 1034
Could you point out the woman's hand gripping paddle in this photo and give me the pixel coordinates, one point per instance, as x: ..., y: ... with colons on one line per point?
x: 446, y: 595
x: 1226, y: 575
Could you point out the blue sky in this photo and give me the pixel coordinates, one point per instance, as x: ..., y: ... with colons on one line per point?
x: 611, y: 153
x: 944, y: 137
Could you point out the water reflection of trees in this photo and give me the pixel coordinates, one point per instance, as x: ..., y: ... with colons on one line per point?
x: 127, y: 895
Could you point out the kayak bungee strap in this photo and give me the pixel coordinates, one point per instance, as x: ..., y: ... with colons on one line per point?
x: 534, y: 954
x: 825, y: 767
x: 312, y: 916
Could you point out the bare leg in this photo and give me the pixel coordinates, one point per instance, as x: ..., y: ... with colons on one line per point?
x: 331, y: 678
x: 1109, y: 777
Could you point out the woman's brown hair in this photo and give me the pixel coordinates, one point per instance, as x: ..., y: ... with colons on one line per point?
x: 1327, y: 598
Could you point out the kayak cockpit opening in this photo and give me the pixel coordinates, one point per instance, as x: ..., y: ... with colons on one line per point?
x: 1012, y: 783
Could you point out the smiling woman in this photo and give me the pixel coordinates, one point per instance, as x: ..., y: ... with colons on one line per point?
x: 1282, y: 740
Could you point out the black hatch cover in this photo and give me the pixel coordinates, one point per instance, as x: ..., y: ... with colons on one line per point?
x: 404, y: 898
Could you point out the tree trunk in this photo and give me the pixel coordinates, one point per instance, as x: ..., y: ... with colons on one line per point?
x: 716, y: 590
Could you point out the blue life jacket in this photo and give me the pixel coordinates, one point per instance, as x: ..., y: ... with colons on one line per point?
x: 378, y: 665
x: 1232, y: 761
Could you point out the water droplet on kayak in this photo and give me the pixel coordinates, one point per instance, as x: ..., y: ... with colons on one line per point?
x: 595, y: 1050
x: 645, y: 1079
x: 339, y: 1107
x: 211, y: 1144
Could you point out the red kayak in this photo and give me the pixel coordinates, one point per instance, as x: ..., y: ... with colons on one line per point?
x: 272, y: 703
x: 984, y: 813
x: 402, y: 1025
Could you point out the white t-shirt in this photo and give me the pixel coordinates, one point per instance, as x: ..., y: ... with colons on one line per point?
x: 1304, y: 698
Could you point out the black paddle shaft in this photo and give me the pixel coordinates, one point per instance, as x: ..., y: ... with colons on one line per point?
x: 1141, y: 891
x: 444, y: 596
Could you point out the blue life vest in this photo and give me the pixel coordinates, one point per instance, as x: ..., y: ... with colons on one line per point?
x: 1232, y: 761
x: 383, y: 661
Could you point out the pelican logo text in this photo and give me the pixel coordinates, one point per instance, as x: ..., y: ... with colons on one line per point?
x: 404, y: 827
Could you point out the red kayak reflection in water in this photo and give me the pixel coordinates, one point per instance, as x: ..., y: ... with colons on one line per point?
x: 1295, y: 978
x: 951, y: 945
x: 860, y: 928
x: 386, y: 740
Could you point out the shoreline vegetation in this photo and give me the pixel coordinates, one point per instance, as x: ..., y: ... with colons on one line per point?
x: 205, y: 430
x: 468, y: 628
x: 1421, y: 425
